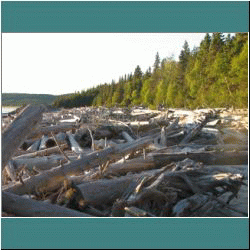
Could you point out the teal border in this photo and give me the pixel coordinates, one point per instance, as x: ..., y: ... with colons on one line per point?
x: 154, y: 233
x: 125, y: 16
x: 71, y: 233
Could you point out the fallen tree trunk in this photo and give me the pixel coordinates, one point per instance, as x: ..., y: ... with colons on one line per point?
x: 14, y: 135
x: 54, y: 129
x: 52, y: 179
x: 134, y: 165
x: 105, y: 191
x: 208, y: 158
x: 40, y: 163
x: 25, y: 207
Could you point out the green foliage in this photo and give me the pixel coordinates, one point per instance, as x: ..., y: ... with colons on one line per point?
x: 215, y: 74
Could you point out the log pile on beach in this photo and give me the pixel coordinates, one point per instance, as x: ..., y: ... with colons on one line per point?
x: 125, y: 162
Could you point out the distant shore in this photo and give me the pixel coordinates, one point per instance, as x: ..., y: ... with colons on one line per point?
x: 8, y: 109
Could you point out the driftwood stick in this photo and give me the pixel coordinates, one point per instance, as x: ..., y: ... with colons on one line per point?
x: 59, y: 147
x: 92, y: 139
x: 14, y: 135
x: 25, y: 207
x: 42, y: 152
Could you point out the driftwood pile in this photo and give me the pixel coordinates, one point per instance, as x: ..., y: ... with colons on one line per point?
x: 100, y: 162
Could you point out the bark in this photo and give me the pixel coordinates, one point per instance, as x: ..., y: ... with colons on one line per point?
x: 14, y: 135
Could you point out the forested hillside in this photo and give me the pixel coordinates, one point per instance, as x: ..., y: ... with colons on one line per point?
x: 215, y: 74
x: 17, y: 99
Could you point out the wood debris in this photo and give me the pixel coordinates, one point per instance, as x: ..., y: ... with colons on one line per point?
x: 100, y: 162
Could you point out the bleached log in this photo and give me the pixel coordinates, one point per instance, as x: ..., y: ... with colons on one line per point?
x: 74, y: 144
x: 108, y: 190
x: 40, y: 163
x: 25, y: 207
x: 52, y: 179
x: 14, y: 135
x: 134, y: 165
x: 44, y: 152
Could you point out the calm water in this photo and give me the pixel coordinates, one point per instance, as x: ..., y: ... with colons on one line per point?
x: 7, y: 109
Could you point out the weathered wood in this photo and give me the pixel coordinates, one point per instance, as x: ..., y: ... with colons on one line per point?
x: 43, y: 142
x: 134, y: 165
x: 208, y: 158
x: 127, y: 137
x: 44, y: 152
x: 195, y: 130
x: 25, y: 207
x: 105, y: 191
x: 54, y: 129
x: 35, y: 146
x: 14, y: 135
x: 11, y: 170
x: 53, y: 179
x: 75, y: 147
x: 40, y: 163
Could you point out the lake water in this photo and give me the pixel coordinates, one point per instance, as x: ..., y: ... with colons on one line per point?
x: 7, y: 109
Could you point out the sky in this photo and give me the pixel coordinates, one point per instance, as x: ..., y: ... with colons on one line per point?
x: 61, y: 63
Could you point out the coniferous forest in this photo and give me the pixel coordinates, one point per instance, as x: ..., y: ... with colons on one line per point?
x: 215, y: 74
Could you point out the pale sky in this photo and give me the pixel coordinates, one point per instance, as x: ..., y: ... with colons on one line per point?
x: 60, y: 63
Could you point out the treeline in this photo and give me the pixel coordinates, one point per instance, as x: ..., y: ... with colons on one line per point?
x: 215, y: 74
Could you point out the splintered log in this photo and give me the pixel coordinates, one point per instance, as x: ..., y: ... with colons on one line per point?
x: 105, y: 191
x: 208, y: 158
x: 52, y: 179
x: 198, y: 127
x: 25, y: 207
x: 14, y: 135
